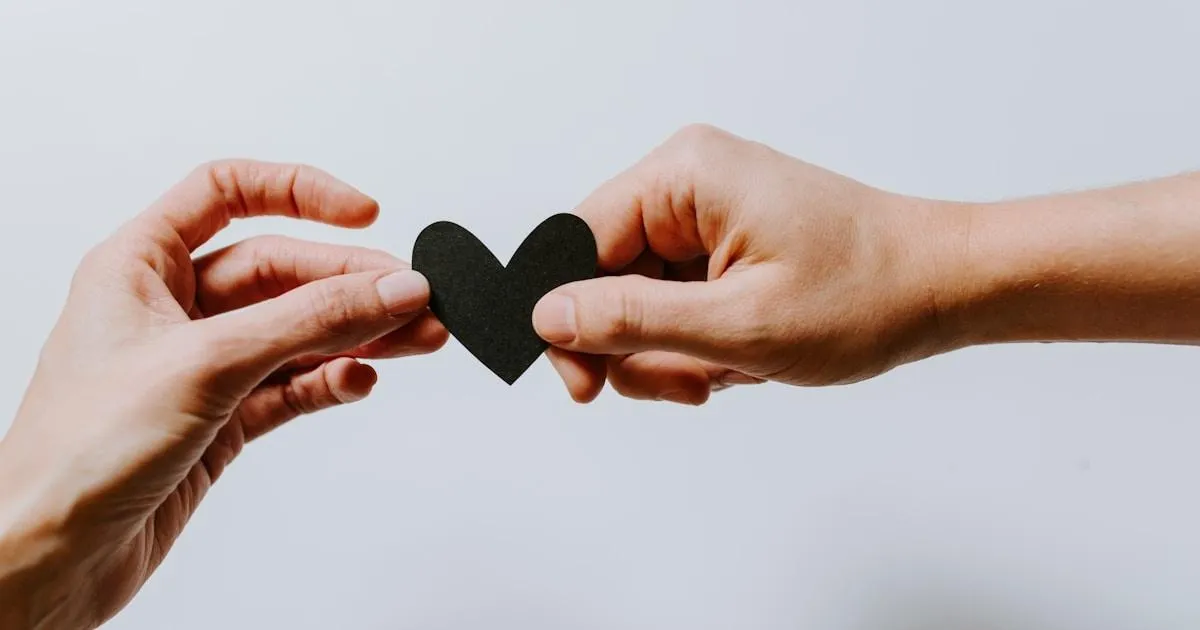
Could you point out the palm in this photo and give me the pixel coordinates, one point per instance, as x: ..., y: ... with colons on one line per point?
x: 173, y: 298
x: 163, y: 366
x: 205, y: 287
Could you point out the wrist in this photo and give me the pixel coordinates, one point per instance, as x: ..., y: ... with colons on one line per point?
x: 973, y: 264
x: 34, y: 557
x: 968, y: 273
x: 937, y: 291
x: 992, y: 259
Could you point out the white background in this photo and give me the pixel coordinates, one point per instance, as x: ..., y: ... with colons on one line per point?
x: 1020, y: 487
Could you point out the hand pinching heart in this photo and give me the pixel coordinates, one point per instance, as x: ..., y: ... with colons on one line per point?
x: 489, y: 307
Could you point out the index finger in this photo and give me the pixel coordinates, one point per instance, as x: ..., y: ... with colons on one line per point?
x: 674, y: 202
x: 206, y: 201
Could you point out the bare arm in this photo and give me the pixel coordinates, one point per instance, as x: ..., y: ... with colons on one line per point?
x: 736, y: 264
x: 1118, y: 264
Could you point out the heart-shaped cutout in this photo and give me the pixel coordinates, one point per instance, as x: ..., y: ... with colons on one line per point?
x: 487, y: 306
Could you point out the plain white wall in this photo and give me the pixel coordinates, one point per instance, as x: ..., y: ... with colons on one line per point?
x: 1022, y: 487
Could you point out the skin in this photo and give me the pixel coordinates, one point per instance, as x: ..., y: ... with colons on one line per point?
x: 727, y: 263
x: 163, y: 366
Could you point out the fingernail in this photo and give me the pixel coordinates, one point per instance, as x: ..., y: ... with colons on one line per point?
x: 554, y: 318
x: 403, y: 292
x: 729, y: 379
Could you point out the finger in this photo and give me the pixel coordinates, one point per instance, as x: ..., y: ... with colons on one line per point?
x: 423, y: 335
x: 329, y: 316
x: 583, y: 374
x: 265, y: 267
x: 336, y: 382
x: 627, y: 314
x: 657, y: 375
x: 669, y: 376
x: 215, y: 194
x: 674, y: 202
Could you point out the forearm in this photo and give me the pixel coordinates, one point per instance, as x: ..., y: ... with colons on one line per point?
x: 1118, y: 264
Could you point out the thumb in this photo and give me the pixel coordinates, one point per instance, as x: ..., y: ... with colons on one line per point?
x: 324, y: 317
x: 627, y: 314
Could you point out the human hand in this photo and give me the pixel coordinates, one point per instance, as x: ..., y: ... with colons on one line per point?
x: 162, y: 367
x: 732, y: 263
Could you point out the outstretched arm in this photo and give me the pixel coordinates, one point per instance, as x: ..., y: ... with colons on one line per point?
x: 1118, y: 264
x: 733, y: 264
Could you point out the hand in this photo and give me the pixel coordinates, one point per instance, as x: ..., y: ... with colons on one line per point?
x: 733, y: 264
x: 162, y: 367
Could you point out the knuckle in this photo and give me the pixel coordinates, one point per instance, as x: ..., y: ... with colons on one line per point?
x: 283, y: 183
x: 331, y: 309
x: 302, y: 400
x: 270, y: 258
x: 204, y: 171
x: 697, y: 132
x: 217, y: 172
x: 301, y: 183
x: 295, y: 401
x: 757, y: 325
x: 311, y: 394
x: 123, y: 254
x: 691, y: 155
x: 696, y: 142
x: 264, y: 244
x: 759, y: 311
x: 97, y: 259
x: 224, y: 178
x: 621, y: 320
x: 612, y: 329
x: 246, y: 186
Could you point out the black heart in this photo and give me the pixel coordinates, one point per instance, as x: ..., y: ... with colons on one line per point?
x: 489, y: 307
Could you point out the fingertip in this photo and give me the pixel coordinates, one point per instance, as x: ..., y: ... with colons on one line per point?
x: 349, y: 380
x: 363, y: 377
x: 366, y: 214
x: 613, y: 212
x: 338, y: 202
x: 403, y: 292
x: 554, y: 318
x: 583, y: 375
x: 430, y: 335
x: 588, y: 393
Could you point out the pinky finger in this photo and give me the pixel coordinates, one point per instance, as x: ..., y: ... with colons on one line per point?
x: 336, y: 382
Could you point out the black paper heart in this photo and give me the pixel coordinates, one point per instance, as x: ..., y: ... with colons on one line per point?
x: 489, y: 307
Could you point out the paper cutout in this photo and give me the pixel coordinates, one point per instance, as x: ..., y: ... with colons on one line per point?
x: 487, y: 306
